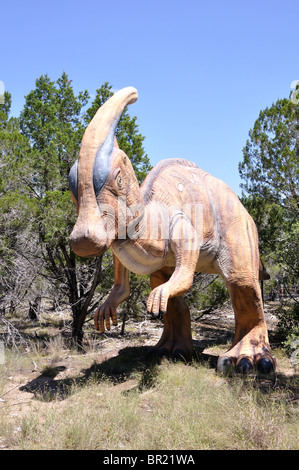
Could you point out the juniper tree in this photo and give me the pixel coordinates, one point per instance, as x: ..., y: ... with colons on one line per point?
x: 270, y: 174
x: 51, y: 127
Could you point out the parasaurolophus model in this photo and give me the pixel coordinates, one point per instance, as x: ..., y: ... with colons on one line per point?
x: 181, y: 220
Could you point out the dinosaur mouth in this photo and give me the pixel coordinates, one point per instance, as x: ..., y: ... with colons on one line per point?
x: 87, y: 252
x: 88, y: 244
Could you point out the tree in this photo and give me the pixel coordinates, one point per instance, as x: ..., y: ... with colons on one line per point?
x: 52, y: 123
x: 50, y: 129
x: 16, y: 272
x: 270, y: 158
x: 270, y: 171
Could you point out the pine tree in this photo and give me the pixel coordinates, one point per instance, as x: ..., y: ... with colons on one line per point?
x: 37, y: 152
x: 270, y: 171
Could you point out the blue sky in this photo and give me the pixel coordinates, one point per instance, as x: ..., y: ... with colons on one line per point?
x: 203, y: 70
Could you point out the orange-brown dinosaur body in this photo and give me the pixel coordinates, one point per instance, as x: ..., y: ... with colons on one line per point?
x: 180, y: 221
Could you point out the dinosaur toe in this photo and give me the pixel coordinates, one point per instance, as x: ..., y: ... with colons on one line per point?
x: 265, y: 366
x: 244, y: 366
x: 224, y: 365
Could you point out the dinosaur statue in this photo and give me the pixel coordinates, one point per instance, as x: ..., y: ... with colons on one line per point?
x: 181, y: 220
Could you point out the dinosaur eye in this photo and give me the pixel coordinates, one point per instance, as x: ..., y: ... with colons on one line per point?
x: 119, y: 181
x: 117, y: 178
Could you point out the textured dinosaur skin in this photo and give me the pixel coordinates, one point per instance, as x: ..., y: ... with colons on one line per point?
x: 181, y: 220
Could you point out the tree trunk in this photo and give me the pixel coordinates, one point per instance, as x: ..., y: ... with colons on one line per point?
x: 79, y: 298
x: 2, y: 309
x: 12, y: 308
x: 81, y: 306
x: 77, y: 330
x: 34, y: 309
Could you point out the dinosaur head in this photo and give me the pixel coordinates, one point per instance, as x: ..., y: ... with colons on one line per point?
x: 98, y: 178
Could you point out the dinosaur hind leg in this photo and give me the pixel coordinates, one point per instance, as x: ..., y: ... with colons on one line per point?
x: 176, y: 339
x: 251, y: 347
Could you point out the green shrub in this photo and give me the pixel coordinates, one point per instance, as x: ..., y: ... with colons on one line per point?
x: 288, y: 326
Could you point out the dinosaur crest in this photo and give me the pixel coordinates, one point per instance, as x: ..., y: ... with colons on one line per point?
x: 90, y: 172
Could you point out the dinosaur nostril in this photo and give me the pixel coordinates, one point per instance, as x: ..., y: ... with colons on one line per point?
x: 87, y: 233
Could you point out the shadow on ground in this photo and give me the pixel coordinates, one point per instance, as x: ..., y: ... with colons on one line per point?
x: 132, y: 362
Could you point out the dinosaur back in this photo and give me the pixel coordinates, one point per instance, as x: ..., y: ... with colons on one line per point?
x: 172, y: 180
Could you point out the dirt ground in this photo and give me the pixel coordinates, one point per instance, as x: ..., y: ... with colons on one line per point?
x: 211, y: 334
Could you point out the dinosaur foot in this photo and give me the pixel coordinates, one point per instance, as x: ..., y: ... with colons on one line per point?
x: 174, y: 352
x: 263, y: 364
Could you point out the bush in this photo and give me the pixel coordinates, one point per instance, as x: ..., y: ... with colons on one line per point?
x: 207, y: 293
x: 288, y: 325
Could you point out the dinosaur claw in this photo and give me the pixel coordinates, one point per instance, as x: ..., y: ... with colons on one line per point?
x: 224, y: 365
x: 158, y: 315
x: 180, y: 355
x: 161, y: 314
x: 163, y: 352
x: 265, y: 366
x: 244, y: 366
x: 154, y: 315
x: 157, y: 302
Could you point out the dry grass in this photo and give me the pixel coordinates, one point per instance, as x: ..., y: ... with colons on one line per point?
x: 118, y: 402
x: 110, y: 397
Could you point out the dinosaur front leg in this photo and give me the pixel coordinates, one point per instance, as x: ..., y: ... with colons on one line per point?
x: 118, y: 294
x: 176, y: 339
x: 185, y: 247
